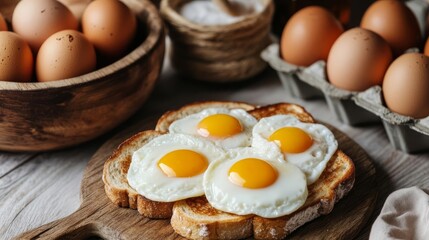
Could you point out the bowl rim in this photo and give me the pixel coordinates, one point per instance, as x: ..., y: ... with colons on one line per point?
x: 143, y: 9
x: 170, y: 12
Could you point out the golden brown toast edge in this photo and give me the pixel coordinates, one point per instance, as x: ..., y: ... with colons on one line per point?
x: 336, y: 187
x: 193, y: 218
x: 282, y: 108
x: 127, y: 197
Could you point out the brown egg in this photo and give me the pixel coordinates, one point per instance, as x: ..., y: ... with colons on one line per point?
x: 358, y: 60
x: 65, y: 54
x: 35, y: 21
x: 395, y: 22
x: 406, y: 85
x: 308, y: 36
x: 16, y: 58
x: 111, y: 26
x: 3, y: 25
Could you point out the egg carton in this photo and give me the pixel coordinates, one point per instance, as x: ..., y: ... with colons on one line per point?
x: 311, y: 82
x: 288, y: 75
x: 405, y: 133
x: 353, y: 108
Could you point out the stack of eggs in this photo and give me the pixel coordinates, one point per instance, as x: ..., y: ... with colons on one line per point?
x: 209, y: 44
x: 378, y: 53
x: 46, y: 42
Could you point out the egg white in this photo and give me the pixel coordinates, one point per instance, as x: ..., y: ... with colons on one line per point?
x: 147, y: 178
x: 313, y: 161
x: 284, y: 196
x: 188, y: 125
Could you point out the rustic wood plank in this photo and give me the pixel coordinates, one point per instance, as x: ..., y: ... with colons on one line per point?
x: 10, y: 161
x: 43, y: 185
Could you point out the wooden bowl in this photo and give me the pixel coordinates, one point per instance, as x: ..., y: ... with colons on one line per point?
x: 40, y: 116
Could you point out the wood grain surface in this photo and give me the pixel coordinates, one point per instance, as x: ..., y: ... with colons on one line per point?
x: 97, y: 216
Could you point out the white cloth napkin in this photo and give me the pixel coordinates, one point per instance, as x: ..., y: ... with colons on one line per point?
x: 405, y: 215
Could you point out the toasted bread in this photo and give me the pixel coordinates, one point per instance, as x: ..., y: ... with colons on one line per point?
x: 194, y: 218
x: 116, y: 167
x: 116, y: 184
x: 283, y: 108
x: 334, y: 183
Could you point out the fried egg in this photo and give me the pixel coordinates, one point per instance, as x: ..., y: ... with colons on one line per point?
x: 170, y: 167
x: 308, y: 146
x: 247, y: 182
x: 228, y: 128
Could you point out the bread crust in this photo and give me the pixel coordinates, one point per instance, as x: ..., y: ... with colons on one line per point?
x: 282, y: 108
x: 195, y: 218
x: 115, y: 179
x: 190, y: 218
x: 333, y: 183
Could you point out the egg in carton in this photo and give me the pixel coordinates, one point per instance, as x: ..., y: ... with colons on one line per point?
x: 405, y: 133
x: 311, y: 82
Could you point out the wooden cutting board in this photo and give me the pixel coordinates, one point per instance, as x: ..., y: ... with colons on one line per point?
x: 98, y: 217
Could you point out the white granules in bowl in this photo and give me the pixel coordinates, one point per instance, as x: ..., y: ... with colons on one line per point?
x: 205, y: 12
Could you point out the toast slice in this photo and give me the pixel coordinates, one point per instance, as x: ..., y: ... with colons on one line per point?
x: 116, y: 166
x: 334, y: 183
x: 116, y: 184
x: 283, y: 108
x: 195, y: 218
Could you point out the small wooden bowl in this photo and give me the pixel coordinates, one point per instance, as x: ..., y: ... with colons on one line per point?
x: 41, y: 116
x: 218, y: 53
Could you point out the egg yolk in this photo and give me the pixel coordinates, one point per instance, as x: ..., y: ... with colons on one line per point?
x: 183, y: 163
x: 219, y: 126
x: 292, y: 139
x: 252, y: 173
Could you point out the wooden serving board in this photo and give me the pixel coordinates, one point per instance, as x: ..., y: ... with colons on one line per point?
x: 98, y: 217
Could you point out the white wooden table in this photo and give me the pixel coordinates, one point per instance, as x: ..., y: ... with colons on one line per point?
x: 37, y: 188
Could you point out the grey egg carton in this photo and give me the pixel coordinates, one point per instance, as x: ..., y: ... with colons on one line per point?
x: 310, y: 82
x: 288, y: 74
x: 405, y: 133
x: 352, y: 108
